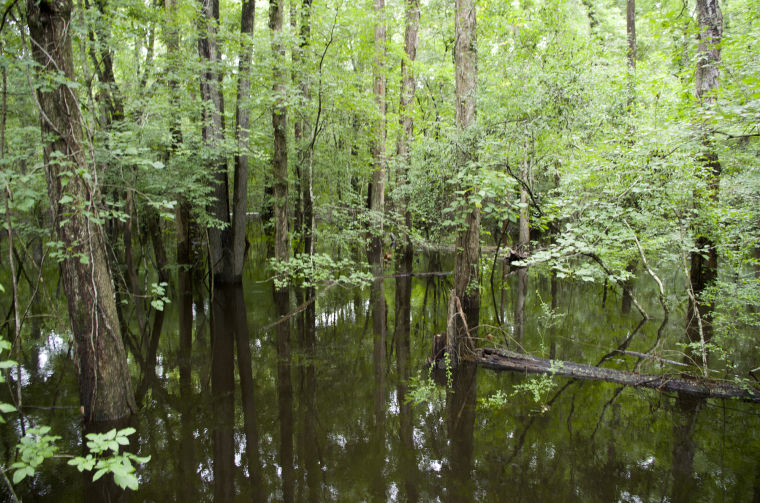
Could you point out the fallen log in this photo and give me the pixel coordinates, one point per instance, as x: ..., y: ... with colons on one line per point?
x: 503, y: 360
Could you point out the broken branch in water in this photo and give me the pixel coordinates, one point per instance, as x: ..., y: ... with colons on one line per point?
x: 503, y: 360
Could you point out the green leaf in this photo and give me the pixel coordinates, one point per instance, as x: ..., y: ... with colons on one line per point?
x: 6, y: 408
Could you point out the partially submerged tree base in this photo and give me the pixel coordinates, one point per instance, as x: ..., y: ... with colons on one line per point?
x: 503, y: 360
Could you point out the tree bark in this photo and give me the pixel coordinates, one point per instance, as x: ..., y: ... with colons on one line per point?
x: 467, y: 258
x: 242, y: 124
x: 704, y: 261
x: 377, y: 192
x: 502, y: 360
x: 105, y: 389
x: 280, y: 125
x: 220, y: 240
x: 630, y: 12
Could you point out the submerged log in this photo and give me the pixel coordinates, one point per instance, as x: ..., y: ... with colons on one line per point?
x: 503, y: 360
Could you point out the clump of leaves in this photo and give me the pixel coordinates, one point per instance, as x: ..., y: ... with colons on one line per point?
x: 34, y: 448
x: 422, y: 389
x: 311, y: 270
x: 104, y: 457
x: 496, y: 401
x: 537, y: 386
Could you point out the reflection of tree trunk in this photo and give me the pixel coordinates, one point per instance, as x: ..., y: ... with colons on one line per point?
x: 222, y: 390
x: 184, y: 293
x: 460, y: 413
x: 186, y: 466
x: 247, y: 390
x: 408, y: 462
x: 378, y: 362
x: 522, y: 291
x: 308, y: 401
x: 284, y: 394
x: 685, y: 417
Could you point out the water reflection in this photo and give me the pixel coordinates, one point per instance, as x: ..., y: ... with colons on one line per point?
x: 460, y: 420
x: 407, y: 466
x: 685, y: 416
x: 222, y: 391
x: 308, y: 451
x: 377, y: 441
x: 319, y: 413
x: 284, y: 393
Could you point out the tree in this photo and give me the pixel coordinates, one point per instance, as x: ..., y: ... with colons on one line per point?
x: 105, y: 391
x: 704, y: 260
x: 219, y: 233
x: 242, y: 134
x: 467, y: 253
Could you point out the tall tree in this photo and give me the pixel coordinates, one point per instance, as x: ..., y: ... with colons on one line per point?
x: 377, y: 188
x: 377, y: 208
x: 704, y: 260
x: 630, y: 16
x: 406, y: 98
x: 280, y: 127
x: 220, y: 239
x: 467, y: 257
x: 242, y: 124
x: 105, y: 390
x: 404, y: 256
x: 303, y: 134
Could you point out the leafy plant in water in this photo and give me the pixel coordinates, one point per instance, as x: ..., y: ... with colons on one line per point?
x: 158, y: 293
x: 104, y: 458
x: 422, y: 389
x: 537, y: 386
x: 495, y: 401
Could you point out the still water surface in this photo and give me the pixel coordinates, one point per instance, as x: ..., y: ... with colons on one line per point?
x: 315, y: 412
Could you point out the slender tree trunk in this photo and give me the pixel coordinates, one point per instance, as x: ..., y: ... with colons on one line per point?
x: 280, y: 126
x: 303, y: 134
x: 242, y: 124
x: 220, y: 240
x: 630, y: 17
x: 466, y: 264
x: 704, y: 261
x: 377, y: 192
x: 105, y: 390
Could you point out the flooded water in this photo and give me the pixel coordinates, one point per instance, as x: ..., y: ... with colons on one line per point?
x: 314, y: 409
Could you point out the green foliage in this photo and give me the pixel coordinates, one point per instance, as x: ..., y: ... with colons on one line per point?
x: 105, y: 458
x: 422, y: 389
x: 33, y: 448
x: 158, y: 294
x: 538, y: 387
x: 311, y: 270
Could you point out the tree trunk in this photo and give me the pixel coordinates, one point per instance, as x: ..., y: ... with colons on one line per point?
x: 704, y: 261
x: 105, y: 390
x: 242, y: 123
x: 630, y: 17
x: 467, y: 258
x: 377, y: 188
x: 280, y: 126
x: 502, y: 360
x: 220, y: 240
